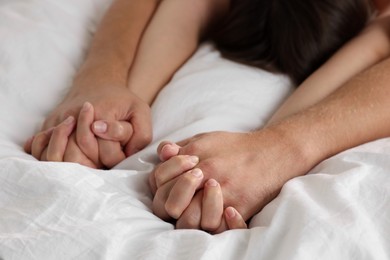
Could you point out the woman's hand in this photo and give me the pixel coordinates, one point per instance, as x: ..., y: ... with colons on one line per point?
x: 214, y: 215
x: 108, y: 104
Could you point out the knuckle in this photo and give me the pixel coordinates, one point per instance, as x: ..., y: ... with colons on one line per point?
x: 181, y: 161
x: 173, y: 210
x: 189, y: 221
x: 188, y: 180
x: 142, y: 140
x: 111, y: 160
x: 159, y: 178
x: 210, y: 166
x: 209, y: 226
x: 146, y: 137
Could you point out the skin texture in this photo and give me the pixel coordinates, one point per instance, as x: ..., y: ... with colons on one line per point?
x: 251, y: 168
x: 246, y: 172
x: 103, y: 82
x: 235, y: 172
x: 115, y: 77
x: 261, y: 163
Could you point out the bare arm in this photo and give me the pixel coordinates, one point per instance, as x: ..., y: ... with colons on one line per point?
x: 356, y: 113
x: 365, y: 50
x: 170, y: 39
x: 253, y: 167
x: 116, y: 51
x: 116, y: 41
x: 102, y: 81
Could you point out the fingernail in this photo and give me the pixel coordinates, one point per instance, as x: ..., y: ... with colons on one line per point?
x: 86, y: 107
x: 69, y: 120
x: 100, y: 127
x: 168, y: 147
x: 197, y: 173
x: 230, y: 212
x: 194, y: 159
x: 212, y: 183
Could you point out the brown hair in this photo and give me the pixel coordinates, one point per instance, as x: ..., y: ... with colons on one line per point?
x: 289, y: 36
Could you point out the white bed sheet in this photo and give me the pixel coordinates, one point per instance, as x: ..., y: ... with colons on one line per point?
x: 65, y: 211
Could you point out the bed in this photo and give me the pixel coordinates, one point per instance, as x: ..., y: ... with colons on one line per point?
x: 340, y: 210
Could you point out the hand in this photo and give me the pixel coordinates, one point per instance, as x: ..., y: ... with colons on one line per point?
x: 215, y: 219
x: 213, y: 212
x: 57, y: 141
x: 251, y: 168
x: 111, y: 104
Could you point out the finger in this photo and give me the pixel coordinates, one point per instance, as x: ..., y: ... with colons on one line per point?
x: 191, y: 217
x: 110, y: 153
x: 44, y: 155
x: 159, y: 201
x: 52, y: 122
x: 152, y: 183
x: 142, y: 135
x: 212, y: 206
x: 86, y: 139
x: 234, y: 219
x: 28, y: 145
x: 75, y: 155
x: 222, y: 228
x: 40, y: 142
x: 162, y: 144
x: 167, y: 149
x: 182, y: 192
x: 174, y: 167
x: 119, y: 131
x: 59, y: 139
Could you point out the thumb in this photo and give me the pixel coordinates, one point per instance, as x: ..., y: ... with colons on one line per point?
x: 142, y: 134
x: 167, y: 149
x: 118, y: 131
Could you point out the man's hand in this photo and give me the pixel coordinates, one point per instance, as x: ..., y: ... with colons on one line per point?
x: 250, y: 167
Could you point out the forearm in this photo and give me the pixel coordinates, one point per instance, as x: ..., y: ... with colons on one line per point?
x: 356, y: 113
x: 116, y: 40
x: 365, y: 50
x: 170, y: 39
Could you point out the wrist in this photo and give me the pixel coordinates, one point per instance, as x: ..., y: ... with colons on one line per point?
x: 94, y: 79
x: 108, y: 71
x: 295, y: 147
x: 145, y: 90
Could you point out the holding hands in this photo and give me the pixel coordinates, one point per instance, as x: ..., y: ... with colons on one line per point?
x: 101, y: 92
x: 219, y: 180
x: 122, y: 121
x: 183, y: 193
x: 203, y: 175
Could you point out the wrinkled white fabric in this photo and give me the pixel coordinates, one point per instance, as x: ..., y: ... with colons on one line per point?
x: 65, y: 211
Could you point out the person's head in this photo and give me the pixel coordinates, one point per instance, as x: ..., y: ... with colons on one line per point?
x: 290, y: 36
